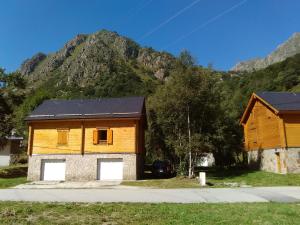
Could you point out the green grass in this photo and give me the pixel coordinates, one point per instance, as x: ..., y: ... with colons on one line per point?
x: 224, y: 178
x: 138, y: 213
x: 11, y: 176
x: 253, y: 178
x: 14, y: 175
x: 11, y: 182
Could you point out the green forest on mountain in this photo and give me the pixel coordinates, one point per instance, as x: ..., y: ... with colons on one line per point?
x: 192, y: 111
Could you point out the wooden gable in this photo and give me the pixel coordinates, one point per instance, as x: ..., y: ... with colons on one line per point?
x: 262, y: 125
x: 271, y: 126
x: 254, y: 98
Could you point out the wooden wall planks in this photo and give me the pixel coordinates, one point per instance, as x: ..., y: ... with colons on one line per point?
x: 127, y: 137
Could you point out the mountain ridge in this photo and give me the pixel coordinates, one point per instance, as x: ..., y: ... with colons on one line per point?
x: 87, y: 57
x: 287, y: 49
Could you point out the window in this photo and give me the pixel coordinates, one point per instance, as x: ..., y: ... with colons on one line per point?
x: 62, y: 136
x: 102, y: 136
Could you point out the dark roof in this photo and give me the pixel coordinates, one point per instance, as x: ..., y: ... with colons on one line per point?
x: 128, y: 107
x: 282, y: 101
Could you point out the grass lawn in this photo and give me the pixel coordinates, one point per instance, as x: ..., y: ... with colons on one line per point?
x: 11, y: 182
x: 68, y: 213
x: 12, y: 175
x: 224, y: 178
x: 253, y: 178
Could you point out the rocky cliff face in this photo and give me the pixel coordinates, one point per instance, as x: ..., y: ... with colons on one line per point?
x: 29, y: 65
x: 289, y: 48
x: 86, y: 58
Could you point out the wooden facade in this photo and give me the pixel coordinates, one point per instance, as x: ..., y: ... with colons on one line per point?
x: 49, y: 137
x: 266, y: 127
x: 87, y: 139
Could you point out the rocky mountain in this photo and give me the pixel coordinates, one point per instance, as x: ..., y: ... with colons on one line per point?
x: 85, y: 59
x: 289, y: 48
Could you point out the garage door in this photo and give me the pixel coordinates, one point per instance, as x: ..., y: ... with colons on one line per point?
x: 53, y: 170
x: 110, y: 169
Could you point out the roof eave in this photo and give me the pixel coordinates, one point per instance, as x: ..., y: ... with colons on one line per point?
x: 281, y: 112
x: 36, y: 119
x: 245, y: 114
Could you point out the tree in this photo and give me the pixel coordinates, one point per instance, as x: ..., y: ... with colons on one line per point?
x: 186, y: 107
x: 5, y: 119
x: 5, y: 108
x: 26, y: 107
x: 186, y: 58
x: 12, y: 94
x: 155, y: 140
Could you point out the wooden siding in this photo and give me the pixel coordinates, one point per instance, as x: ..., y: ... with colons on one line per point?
x: 123, y: 137
x: 292, y: 129
x: 127, y: 137
x: 45, y: 137
x: 262, y: 128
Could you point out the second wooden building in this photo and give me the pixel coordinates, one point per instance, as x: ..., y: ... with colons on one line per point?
x: 271, y: 124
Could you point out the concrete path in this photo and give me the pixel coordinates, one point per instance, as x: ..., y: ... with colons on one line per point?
x: 123, y: 194
x: 69, y: 185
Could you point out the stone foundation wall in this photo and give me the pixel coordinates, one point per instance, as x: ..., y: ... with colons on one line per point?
x: 84, y: 167
x: 267, y: 160
x: 293, y: 160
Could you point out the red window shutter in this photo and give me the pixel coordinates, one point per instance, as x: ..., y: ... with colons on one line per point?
x: 109, y: 136
x: 95, y: 137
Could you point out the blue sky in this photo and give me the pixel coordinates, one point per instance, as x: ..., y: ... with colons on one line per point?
x: 221, y: 32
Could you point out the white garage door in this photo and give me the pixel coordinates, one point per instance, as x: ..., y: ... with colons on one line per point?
x: 110, y: 169
x: 53, y: 170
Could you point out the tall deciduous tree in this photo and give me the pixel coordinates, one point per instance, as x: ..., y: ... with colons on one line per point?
x: 12, y: 94
x: 186, y: 107
x: 5, y: 109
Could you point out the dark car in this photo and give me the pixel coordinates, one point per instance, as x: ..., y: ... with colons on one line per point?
x: 162, y: 168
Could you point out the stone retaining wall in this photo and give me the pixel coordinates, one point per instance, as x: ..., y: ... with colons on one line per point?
x: 84, y: 167
x: 293, y: 161
x: 267, y: 160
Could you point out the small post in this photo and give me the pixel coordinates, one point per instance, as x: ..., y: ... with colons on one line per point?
x: 202, y: 178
